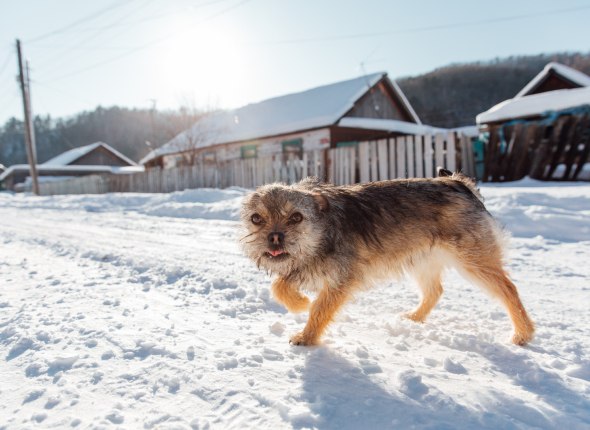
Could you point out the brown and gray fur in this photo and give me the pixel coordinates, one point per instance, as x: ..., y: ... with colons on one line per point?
x: 346, y: 238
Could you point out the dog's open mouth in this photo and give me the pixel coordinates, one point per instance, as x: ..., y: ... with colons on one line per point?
x: 277, y: 254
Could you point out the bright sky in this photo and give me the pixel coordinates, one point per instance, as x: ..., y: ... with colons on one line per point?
x: 226, y: 53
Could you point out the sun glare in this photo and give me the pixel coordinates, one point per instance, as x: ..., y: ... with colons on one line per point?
x: 204, y: 60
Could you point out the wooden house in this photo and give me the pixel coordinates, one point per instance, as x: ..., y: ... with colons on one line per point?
x: 339, y: 114
x: 543, y: 132
x: 96, y: 158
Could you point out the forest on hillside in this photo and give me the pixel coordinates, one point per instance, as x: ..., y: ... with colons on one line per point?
x: 450, y: 96
x: 134, y: 132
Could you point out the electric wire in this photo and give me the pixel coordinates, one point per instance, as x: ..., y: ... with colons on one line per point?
x: 82, y: 20
x: 143, y: 47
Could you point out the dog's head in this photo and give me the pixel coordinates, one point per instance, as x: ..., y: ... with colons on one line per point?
x: 284, y: 226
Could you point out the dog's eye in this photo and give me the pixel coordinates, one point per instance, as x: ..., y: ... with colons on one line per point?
x: 296, y: 218
x: 256, y: 219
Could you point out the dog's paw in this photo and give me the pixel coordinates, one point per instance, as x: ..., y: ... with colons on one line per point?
x: 414, y: 317
x: 521, y: 339
x: 300, y: 339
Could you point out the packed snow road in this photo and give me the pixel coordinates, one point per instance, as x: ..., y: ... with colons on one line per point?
x: 139, y: 311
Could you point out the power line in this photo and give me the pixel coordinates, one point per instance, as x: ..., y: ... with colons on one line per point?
x: 147, y: 45
x: 92, y: 36
x: 71, y: 25
x: 61, y: 91
x: 6, y: 62
x: 10, y: 102
x: 428, y: 28
x: 153, y: 17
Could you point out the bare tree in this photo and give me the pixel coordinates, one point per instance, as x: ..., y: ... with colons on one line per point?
x: 202, y: 127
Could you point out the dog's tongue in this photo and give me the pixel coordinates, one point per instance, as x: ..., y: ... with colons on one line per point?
x: 276, y: 252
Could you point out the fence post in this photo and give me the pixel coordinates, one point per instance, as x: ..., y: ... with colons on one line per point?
x: 410, y: 155
x: 401, y: 157
x: 428, y: 156
x: 392, y: 160
x: 439, y: 155
x: 419, y: 153
x: 451, y: 152
x: 373, y: 160
x: 364, y: 162
x: 352, y: 155
x: 382, y: 157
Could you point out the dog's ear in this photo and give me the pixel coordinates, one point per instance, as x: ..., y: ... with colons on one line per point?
x: 321, y: 201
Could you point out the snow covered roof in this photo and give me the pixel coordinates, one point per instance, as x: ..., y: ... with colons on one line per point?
x: 315, y: 108
x: 572, y: 75
x: 44, y: 168
x: 536, y: 104
x: 68, y: 157
x: 390, y: 125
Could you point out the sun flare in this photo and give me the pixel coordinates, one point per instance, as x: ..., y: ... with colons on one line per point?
x: 203, y: 60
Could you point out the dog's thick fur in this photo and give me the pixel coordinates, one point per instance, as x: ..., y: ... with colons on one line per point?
x: 335, y: 240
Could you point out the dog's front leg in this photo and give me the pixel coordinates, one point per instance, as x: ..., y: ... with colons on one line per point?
x: 289, y: 295
x: 322, y: 312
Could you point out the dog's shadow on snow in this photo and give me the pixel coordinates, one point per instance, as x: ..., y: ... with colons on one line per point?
x: 342, y: 396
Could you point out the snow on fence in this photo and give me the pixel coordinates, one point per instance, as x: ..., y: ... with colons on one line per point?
x: 401, y: 157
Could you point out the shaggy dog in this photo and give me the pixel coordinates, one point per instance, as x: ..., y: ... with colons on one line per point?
x: 335, y: 240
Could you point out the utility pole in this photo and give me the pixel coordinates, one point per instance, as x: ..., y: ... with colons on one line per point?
x: 29, y: 129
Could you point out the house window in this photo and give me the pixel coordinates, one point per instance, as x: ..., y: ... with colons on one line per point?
x: 248, y: 151
x: 293, y: 146
x: 346, y: 144
x: 209, y: 157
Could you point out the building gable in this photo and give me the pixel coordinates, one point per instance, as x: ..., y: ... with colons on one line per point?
x: 380, y: 102
x: 555, y: 76
x: 100, y: 156
x: 551, y: 82
x: 98, y: 153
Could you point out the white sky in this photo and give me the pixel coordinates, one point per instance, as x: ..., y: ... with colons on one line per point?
x: 226, y: 53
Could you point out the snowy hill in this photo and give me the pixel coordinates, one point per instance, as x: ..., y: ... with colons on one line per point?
x: 139, y: 311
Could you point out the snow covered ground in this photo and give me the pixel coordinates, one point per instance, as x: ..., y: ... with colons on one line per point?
x: 139, y: 311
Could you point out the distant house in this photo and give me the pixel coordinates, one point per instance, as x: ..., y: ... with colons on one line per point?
x: 555, y: 76
x: 343, y: 113
x: 95, y: 154
x: 544, y: 131
x: 95, y: 158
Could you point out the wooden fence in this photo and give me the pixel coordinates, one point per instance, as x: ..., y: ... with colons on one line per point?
x: 402, y: 157
x: 555, y: 149
x: 412, y: 156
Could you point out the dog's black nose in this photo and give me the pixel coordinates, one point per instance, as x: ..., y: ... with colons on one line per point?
x: 276, y: 238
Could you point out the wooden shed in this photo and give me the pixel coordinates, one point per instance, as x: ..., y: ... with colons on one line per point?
x: 543, y: 132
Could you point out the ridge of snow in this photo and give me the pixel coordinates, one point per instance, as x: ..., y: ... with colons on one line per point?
x: 536, y: 104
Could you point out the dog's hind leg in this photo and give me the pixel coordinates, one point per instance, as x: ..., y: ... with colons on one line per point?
x: 428, y: 277
x: 289, y: 295
x: 487, y: 271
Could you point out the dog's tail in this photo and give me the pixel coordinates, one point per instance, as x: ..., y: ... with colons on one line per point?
x: 460, y: 177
